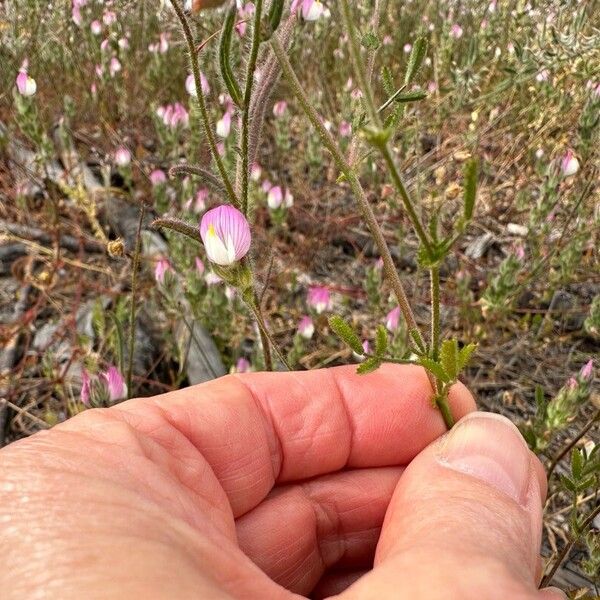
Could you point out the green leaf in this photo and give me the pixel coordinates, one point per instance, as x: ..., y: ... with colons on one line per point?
x: 435, y: 368
x: 416, y: 338
x: 275, y: 12
x: 381, y: 341
x: 413, y: 96
x: 415, y: 59
x: 449, y: 358
x: 464, y: 356
x: 568, y: 484
x: 576, y: 464
x: 470, y: 185
x: 224, y: 57
x: 368, y: 366
x: 388, y: 81
x: 370, y: 41
x: 345, y: 332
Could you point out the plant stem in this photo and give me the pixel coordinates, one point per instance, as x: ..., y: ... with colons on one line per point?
x: 547, y: 579
x: 134, y: 273
x: 187, y: 32
x: 441, y: 402
x: 266, y: 337
x: 595, y: 418
x: 436, y: 326
x: 389, y: 268
x: 406, y: 200
x: 247, y: 99
x: 357, y: 63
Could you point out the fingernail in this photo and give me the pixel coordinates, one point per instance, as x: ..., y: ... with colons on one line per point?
x: 490, y: 448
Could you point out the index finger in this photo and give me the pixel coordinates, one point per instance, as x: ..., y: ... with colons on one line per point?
x: 258, y: 429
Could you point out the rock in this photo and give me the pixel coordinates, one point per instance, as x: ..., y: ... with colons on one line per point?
x: 479, y: 246
x: 202, y: 358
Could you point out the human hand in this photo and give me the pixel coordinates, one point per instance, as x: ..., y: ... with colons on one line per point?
x: 269, y: 485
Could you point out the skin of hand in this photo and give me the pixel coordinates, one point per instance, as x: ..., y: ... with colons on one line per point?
x: 275, y: 486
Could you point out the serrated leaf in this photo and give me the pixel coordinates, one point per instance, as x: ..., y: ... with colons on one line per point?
x: 449, y: 358
x: 568, y: 484
x: 576, y: 464
x: 435, y: 368
x: 585, y: 483
x: 388, y: 81
x: 345, y: 332
x: 470, y: 186
x: 370, y: 41
x: 416, y: 338
x: 417, y: 54
x: 464, y: 356
x: 413, y: 96
x: 381, y: 341
x: 368, y: 366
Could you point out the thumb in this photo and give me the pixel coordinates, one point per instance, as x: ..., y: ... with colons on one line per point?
x: 465, y: 520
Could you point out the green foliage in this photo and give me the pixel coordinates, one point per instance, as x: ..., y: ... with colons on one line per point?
x: 415, y: 60
x: 225, y: 57
x: 345, y: 332
x: 370, y: 41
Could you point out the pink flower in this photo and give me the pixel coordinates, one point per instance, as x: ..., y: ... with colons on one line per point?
x: 26, y: 85
x: 200, y: 268
x: 163, y: 44
x: 266, y: 186
x: 123, y: 43
x: 122, y: 156
x: 456, y: 31
x: 366, y: 347
x: 96, y: 27
x: 587, y: 372
x: 310, y: 10
x: 224, y: 124
x: 114, y: 66
x: 225, y: 232
x: 84, y: 395
x: 392, y: 320
x: 345, y: 129
x: 279, y: 108
x: 115, y: 384
x: 306, y: 327
x: 407, y: 48
x: 255, y: 172
x: 76, y: 15
x: 158, y: 177
x: 379, y: 264
x: 319, y: 299
x: 200, y: 200
x: 212, y: 278
x: 109, y: 17
x: 242, y: 365
x: 569, y: 165
x: 520, y: 253
x: 275, y: 197
x: 543, y: 75
x: 190, y: 85
x: 162, y: 267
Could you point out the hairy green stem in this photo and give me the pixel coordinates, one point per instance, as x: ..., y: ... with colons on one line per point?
x: 441, y: 402
x: 547, y: 579
x: 595, y: 419
x: 436, y: 326
x: 247, y: 98
x: 134, y: 273
x: 210, y: 136
x: 266, y: 337
x: 389, y: 267
x: 357, y: 63
x: 406, y: 199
